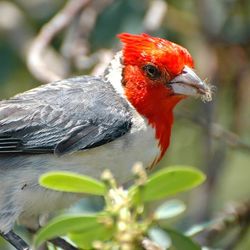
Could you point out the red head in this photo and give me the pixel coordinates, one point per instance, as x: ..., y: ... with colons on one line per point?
x: 157, y: 74
x: 168, y: 57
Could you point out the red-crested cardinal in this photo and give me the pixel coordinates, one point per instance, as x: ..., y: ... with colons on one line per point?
x: 86, y: 124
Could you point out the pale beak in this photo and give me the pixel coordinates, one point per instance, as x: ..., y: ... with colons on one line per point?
x: 189, y: 84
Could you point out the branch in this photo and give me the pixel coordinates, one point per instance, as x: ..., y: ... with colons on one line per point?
x: 155, y: 15
x: 237, y: 215
x: 217, y: 131
x: 76, y: 45
x: 43, y: 70
x: 63, y: 244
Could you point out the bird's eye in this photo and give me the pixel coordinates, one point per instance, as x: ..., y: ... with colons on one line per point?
x: 151, y: 71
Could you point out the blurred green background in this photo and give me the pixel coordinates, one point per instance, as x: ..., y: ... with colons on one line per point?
x: 215, y: 136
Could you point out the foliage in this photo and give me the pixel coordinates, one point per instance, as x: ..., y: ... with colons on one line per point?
x: 124, y: 221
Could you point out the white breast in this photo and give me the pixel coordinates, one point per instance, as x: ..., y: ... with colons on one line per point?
x: 118, y: 156
x: 139, y: 144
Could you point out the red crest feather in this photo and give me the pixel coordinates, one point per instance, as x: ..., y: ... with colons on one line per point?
x: 144, y: 48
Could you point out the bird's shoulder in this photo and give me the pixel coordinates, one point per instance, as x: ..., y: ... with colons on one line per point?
x: 63, y: 116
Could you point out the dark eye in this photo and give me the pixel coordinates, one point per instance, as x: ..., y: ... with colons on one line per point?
x: 151, y: 71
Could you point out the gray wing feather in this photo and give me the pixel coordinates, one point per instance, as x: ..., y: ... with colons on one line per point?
x: 63, y: 117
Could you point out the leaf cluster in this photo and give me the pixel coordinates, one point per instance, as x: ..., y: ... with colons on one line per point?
x: 124, y: 222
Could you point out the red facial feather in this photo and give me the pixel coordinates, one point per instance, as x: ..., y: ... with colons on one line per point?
x: 151, y: 97
x: 141, y: 49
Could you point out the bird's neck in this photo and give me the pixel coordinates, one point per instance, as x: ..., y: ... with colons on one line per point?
x: 153, y: 103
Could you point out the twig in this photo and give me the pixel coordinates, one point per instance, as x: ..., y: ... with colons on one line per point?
x: 234, y: 216
x: 214, y: 161
x: 63, y: 244
x: 155, y: 15
x: 15, y: 240
x: 237, y: 239
x: 76, y: 45
x: 39, y: 68
x: 217, y: 131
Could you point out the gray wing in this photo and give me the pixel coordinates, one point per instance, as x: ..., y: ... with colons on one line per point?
x: 63, y: 117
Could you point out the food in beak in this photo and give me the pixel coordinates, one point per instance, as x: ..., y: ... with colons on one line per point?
x: 189, y: 84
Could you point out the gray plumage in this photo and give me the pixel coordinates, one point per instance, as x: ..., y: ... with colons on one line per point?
x: 83, y: 125
x: 63, y: 117
x: 55, y: 119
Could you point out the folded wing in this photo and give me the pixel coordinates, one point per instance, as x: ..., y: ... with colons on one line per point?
x: 63, y: 117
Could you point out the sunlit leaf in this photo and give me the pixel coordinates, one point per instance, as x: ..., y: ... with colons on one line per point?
x: 64, y: 224
x: 170, y: 181
x: 71, y: 182
x: 169, y: 209
x: 181, y: 242
x: 86, y: 238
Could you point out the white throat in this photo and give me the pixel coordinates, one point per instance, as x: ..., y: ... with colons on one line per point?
x: 113, y: 73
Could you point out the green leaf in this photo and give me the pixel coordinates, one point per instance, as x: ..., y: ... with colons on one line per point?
x: 170, y: 181
x: 169, y: 209
x: 71, y: 182
x: 181, y: 242
x: 64, y: 224
x: 86, y: 238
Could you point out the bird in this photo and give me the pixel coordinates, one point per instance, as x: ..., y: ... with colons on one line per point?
x: 86, y: 124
